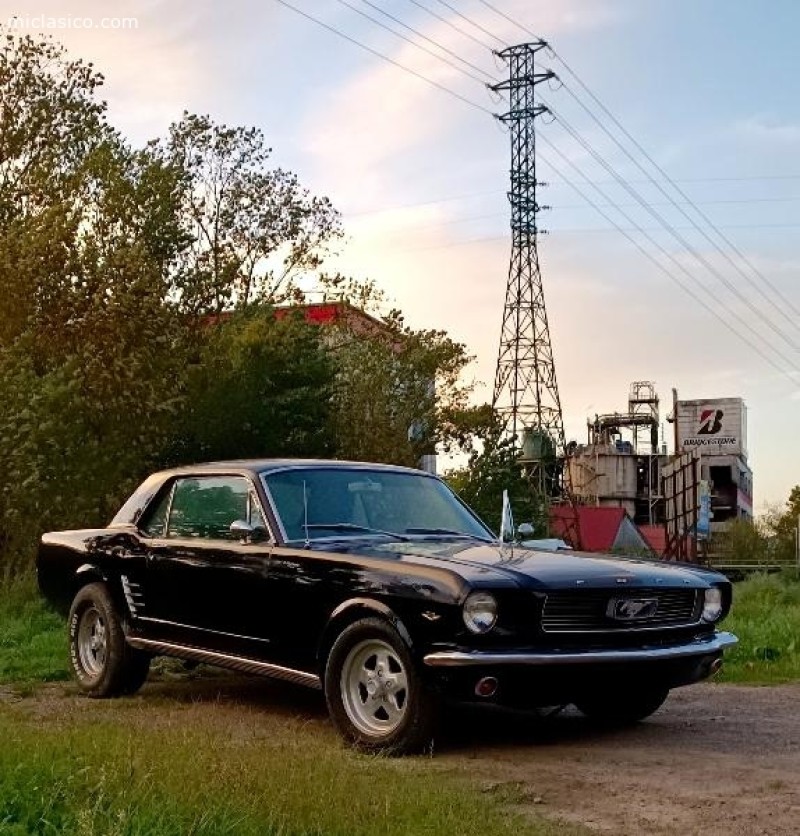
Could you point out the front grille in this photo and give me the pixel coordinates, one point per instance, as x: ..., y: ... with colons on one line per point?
x: 582, y: 610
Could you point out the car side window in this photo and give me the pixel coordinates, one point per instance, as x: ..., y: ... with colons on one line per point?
x: 256, y: 517
x: 205, y: 506
x: 155, y: 518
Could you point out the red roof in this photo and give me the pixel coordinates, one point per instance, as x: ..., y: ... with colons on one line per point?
x: 656, y: 537
x: 598, y: 526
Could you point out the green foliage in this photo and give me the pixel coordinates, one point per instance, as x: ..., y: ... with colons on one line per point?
x: 261, y: 388
x: 88, y: 376
x: 766, y: 618
x: 744, y: 543
x: 781, y: 526
x: 397, y: 390
x: 50, y: 119
x: 118, y: 353
x: 106, y: 251
x: 33, y: 645
x: 489, y: 472
x: 252, y: 229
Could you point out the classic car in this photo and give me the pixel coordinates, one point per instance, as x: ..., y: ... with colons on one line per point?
x: 379, y: 586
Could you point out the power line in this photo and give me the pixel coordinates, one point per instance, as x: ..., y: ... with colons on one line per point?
x: 450, y: 23
x: 473, y: 104
x: 498, y: 192
x: 657, y: 167
x: 429, y: 40
x: 472, y: 22
x: 672, y: 231
x: 510, y: 19
x: 686, y: 288
x: 668, y: 179
x: 383, y: 57
x: 410, y: 41
x: 689, y: 202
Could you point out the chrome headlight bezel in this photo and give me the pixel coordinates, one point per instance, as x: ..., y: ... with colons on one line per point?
x: 480, y: 612
x: 712, y: 605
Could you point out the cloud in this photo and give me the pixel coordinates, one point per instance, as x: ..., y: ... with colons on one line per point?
x: 153, y: 68
x: 383, y: 113
x: 766, y: 129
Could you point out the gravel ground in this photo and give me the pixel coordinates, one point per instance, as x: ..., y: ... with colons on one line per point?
x: 716, y: 759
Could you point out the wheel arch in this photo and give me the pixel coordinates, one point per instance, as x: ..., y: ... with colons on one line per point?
x: 352, y: 610
x: 88, y: 573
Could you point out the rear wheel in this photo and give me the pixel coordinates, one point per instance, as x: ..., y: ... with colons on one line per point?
x: 622, y: 708
x: 375, y: 697
x: 102, y: 662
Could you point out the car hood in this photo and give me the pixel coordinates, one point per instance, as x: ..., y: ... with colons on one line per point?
x: 563, y: 569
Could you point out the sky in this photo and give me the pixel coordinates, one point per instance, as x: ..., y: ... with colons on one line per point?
x: 708, y: 88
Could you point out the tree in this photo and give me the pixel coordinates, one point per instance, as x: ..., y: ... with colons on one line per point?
x: 50, y: 118
x: 252, y: 228
x: 781, y: 528
x: 745, y: 542
x: 261, y: 387
x: 90, y: 356
x: 493, y: 468
x: 397, y: 390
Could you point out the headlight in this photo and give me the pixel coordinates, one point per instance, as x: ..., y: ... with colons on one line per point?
x: 480, y: 612
x: 712, y: 606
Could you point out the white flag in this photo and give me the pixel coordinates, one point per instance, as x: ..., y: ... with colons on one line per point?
x: 507, y: 520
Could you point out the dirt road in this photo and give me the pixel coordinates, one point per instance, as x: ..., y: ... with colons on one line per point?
x: 717, y: 759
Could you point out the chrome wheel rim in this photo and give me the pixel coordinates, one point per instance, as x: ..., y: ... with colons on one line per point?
x: 92, y: 642
x: 374, y: 688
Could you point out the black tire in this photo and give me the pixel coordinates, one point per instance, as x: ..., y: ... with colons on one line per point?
x: 103, y: 663
x: 622, y: 708
x: 375, y: 697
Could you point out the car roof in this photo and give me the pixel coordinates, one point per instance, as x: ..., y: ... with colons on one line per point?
x: 144, y: 494
x: 271, y: 465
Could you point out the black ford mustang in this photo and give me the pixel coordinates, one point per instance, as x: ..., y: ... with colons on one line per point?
x: 380, y: 586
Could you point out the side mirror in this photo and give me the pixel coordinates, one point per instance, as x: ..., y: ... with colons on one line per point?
x: 524, y: 531
x: 242, y: 530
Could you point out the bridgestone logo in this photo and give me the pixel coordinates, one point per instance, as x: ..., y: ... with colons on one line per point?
x: 709, y: 442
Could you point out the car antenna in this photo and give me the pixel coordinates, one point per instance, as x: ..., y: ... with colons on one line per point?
x: 305, y: 515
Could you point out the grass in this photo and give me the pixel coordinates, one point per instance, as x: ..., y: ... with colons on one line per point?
x: 766, y: 618
x: 33, y: 644
x: 119, y: 768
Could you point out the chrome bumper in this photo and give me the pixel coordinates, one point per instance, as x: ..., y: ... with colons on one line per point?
x: 699, y: 647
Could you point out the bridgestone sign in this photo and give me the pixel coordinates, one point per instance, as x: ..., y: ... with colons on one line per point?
x: 715, y: 426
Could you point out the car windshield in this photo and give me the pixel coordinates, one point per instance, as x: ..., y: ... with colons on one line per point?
x: 317, y: 503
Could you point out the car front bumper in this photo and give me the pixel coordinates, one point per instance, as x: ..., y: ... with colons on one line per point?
x: 705, y: 646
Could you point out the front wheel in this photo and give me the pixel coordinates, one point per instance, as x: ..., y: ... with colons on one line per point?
x: 622, y: 708
x: 103, y: 663
x: 375, y: 697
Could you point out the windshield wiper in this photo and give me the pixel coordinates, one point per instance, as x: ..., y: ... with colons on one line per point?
x: 345, y: 526
x: 449, y: 533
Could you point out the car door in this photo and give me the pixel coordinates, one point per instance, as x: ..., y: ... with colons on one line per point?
x: 205, y: 585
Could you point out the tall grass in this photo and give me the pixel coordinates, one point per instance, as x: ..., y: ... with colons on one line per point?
x: 126, y: 779
x: 33, y: 645
x: 766, y: 618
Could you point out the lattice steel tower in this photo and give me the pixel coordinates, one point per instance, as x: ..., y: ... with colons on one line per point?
x: 525, y: 387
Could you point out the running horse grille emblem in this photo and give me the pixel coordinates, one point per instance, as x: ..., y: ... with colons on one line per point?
x: 632, y: 609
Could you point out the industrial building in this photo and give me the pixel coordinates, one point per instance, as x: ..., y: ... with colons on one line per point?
x: 625, y: 459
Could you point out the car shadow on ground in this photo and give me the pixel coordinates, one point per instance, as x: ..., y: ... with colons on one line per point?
x: 462, y: 728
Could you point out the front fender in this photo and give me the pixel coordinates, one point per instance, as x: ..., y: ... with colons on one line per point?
x: 352, y: 610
